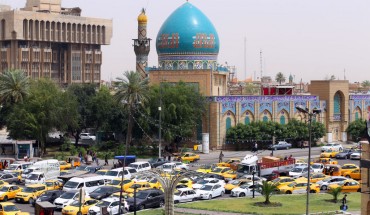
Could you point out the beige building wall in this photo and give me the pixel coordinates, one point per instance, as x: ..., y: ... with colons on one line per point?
x: 365, y: 185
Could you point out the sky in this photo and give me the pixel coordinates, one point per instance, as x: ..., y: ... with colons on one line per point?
x: 309, y: 39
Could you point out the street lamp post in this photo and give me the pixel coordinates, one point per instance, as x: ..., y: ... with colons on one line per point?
x: 310, y: 115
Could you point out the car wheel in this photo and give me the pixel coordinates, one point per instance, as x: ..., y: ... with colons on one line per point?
x: 5, y: 198
x: 141, y: 207
x: 340, y: 149
x: 176, y: 201
x: 359, y: 190
x: 161, y: 204
x: 330, y: 156
x: 241, y: 194
x: 348, y: 176
x: 30, y: 201
x: 194, y: 199
x: 222, y: 193
x: 288, y: 192
x: 324, y: 187
x: 312, y: 191
x: 210, y: 197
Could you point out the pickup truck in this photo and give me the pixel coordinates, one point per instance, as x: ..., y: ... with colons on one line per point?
x: 155, y: 162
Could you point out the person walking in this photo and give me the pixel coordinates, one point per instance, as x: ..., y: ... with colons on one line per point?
x: 106, y: 159
x: 255, y: 147
x: 344, y: 206
x: 220, y: 157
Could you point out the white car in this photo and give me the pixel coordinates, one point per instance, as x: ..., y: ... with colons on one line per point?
x: 87, y: 136
x: 324, y: 184
x: 334, y: 146
x: 180, y: 165
x: 111, y: 203
x: 355, y: 155
x: 299, y: 171
x: 244, y: 190
x: 66, y: 199
x: 209, y: 191
x: 317, y: 167
x: 204, y: 181
x: 256, y: 178
x: 185, y: 195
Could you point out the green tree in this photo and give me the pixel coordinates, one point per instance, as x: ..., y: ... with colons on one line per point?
x: 366, y: 84
x: 267, y: 190
x: 14, y: 88
x: 356, y: 129
x: 280, y: 77
x: 132, y: 91
x: 335, y: 192
x: 317, y: 131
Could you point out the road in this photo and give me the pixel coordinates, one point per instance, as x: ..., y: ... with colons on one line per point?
x: 212, y: 157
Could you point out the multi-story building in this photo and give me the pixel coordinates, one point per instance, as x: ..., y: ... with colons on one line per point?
x: 46, y: 40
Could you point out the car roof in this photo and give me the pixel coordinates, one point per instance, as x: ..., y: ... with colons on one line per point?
x: 6, y: 203
x: 184, y: 189
x: 36, y: 185
x: 111, y: 199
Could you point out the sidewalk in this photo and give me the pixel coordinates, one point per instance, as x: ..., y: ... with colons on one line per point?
x: 203, y: 212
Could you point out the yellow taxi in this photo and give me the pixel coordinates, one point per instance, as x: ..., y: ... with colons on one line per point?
x: 282, y: 180
x: 102, y: 171
x: 124, y: 194
x: 229, y: 175
x: 53, y: 184
x: 315, y: 177
x: 2, y: 183
x: 189, y: 156
x: 9, y: 192
x: 30, y: 193
x: 139, y: 186
x: 354, y: 174
x: 74, y: 207
x: 8, y: 208
x: 220, y: 170
x: 299, y: 187
x: 349, y: 185
x: 300, y: 161
x: 347, y: 167
x: 154, y: 183
x: 64, y: 165
x: 187, y: 182
x: 206, y: 168
x: 228, y: 162
x: 234, y: 184
x: 116, y: 182
x: 329, y: 153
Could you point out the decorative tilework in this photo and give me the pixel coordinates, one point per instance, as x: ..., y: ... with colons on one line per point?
x: 228, y: 106
x: 262, y: 98
x: 283, y: 105
x: 314, y: 104
x: 299, y: 103
x: 357, y: 103
x: 248, y: 105
x: 265, y: 105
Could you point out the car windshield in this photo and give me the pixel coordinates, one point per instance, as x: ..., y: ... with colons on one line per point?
x: 316, y: 166
x: 115, y: 182
x: 33, y: 177
x: 327, y: 179
x: 13, y: 167
x: 4, y: 189
x: 202, y: 181
x: 46, y: 194
x: 330, y: 144
x: 133, y: 165
x: 102, y: 190
x: 9, y: 208
x: 244, y: 186
x: 27, y: 171
x: 166, y: 166
x: 76, y: 203
x: 81, y: 168
x: 177, y: 193
x: 136, y: 185
x: 217, y: 170
x: 112, y: 173
x: 68, y: 195
x: 103, y: 204
x: 71, y: 184
x: 28, y: 189
x: 141, y: 195
x: 91, y: 169
x: 292, y: 184
x: 206, y: 187
x: 297, y: 170
x: 276, y: 180
x: 234, y: 182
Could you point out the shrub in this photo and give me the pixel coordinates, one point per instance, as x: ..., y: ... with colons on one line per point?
x: 335, y: 192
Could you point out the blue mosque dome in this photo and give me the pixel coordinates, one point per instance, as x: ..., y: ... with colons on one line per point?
x: 187, y: 40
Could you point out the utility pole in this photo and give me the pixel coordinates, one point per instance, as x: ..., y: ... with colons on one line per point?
x: 160, y: 122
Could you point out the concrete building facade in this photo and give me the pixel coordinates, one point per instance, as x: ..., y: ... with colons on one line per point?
x: 46, y: 40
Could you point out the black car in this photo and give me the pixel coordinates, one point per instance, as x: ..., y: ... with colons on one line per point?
x: 103, y: 192
x: 49, y: 196
x: 147, y: 199
x: 345, y: 154
x: 92, y: 169
x: 154, y: 162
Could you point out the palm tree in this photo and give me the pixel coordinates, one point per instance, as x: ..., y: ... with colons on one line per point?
x: 280, y: 77
x: 366, y: 84
x: 335, y: 192
x: 14, y: 86
x: 267, y: 190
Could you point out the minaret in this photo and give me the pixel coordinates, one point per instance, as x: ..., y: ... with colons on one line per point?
x: 142, y: 45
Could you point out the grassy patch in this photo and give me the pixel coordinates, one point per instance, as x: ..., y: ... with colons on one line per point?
x: 158, y: 212
x: 291, y: 204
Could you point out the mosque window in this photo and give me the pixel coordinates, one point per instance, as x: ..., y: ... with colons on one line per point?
x: 356, y: 116
x: 204, y: 65
x: 190, y: 66
x: 175, y: 66
x: 247, y: 120
x: 282, y: 120
x: 337, y: 102
x: 265, y: 119
x: 228, y: 123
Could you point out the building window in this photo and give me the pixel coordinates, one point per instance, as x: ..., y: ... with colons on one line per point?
x: 282, y: 120
x: 228, y: 123
x: 247, y: 120
x: 204, y: 65
x: 190, y: 66
x: 175, y: 66
x: 356, y: 116
x: 337, y: 102
x: 265, y: 119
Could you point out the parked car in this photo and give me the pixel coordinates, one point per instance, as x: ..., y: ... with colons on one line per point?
x: 112, y: 205
x: 317, y: 167
x: 355, y: 155
x: 244, y: 190
x: 334, y: 146
x: 9, y: 192
x: 185, y: 195
x: 299, y: 171
x: 348, y: 167
x: 280, y: 145
x: 147, y: 199
x: 103, y: 192
x: 324, y: 184
x: 49, y: 196
x: 93, y: 169
x: 87, y: 136
x: 65, y: 199
x: 76, y: 206
x: 212, y: 181
x: 345, y: 154
x: 10, y: 178
x: 299, y: 188
x: 154, y: 162
x: 349, y: 185
x: 209, y: 191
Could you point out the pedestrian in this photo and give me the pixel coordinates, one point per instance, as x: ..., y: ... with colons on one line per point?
x: 301, y: 143
x: 344, y: 207
x: 2, y: 149
x: 106, y: 159
x: 220, y: 157
x: 255, y: 147
x: 290, y: 157
x: 97, y: 161
x: 286, y: 157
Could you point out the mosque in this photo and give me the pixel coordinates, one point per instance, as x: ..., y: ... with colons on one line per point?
x: 188, y: 44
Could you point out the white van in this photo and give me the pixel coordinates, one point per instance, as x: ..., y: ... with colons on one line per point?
x: 89, y: 181
x: 140, y: 166
x: 18, y: 166
x: 117, y: 173
x: 41, y: 171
